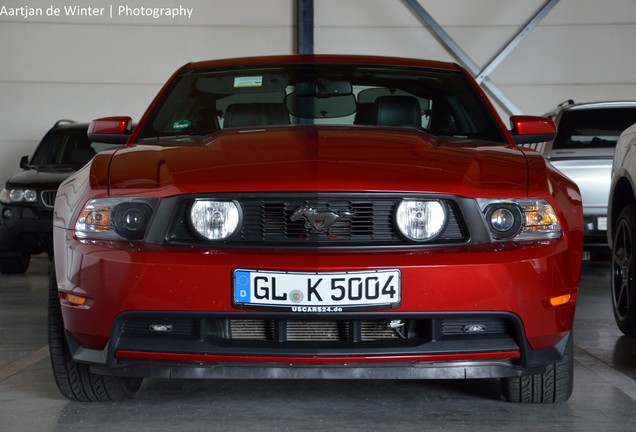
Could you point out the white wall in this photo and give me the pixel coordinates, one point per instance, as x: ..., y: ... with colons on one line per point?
x: 583, y: 50
x: 86, y: 67
x: 82, y: 68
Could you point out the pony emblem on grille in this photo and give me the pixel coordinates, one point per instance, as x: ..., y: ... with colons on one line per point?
x: 319, y: 221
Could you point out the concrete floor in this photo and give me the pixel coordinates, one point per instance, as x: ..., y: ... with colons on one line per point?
x: 604, y: 396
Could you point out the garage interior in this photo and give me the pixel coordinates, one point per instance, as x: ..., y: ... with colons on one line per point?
x: 528, y: 55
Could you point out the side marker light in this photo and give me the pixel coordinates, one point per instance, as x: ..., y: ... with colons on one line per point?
x: 76, y: 300
x: 560, y: 300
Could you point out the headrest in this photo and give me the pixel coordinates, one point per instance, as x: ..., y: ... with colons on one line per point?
x: 255, y: 114
x: 398, y: 111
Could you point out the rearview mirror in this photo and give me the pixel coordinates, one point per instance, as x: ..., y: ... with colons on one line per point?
x: 323, y: 88
x: 532, y: 129
x: 110, y: 130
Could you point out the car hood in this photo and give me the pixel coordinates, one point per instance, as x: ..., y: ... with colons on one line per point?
x: 321, y: 159
x: 39, y: 178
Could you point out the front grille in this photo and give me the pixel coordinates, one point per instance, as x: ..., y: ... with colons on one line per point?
x: 48, y: 198
x: 362, y: 221
x: 309, y: 330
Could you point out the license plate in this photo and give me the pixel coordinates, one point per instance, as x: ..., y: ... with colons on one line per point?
x: 317, y: 292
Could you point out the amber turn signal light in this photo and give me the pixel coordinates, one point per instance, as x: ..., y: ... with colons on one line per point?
x: 76, y: 300
x: 560, y: 300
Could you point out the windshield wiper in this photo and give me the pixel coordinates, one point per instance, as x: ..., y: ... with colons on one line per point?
x: 175, y: 137
x: 65, y: 167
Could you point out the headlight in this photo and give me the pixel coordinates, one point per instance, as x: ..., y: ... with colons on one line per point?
x: 115, y: 218
x: 215, y: 220
x: 15, y: 195
x: 520, y: 219
x: 504, y: 219
x: 420, y: 220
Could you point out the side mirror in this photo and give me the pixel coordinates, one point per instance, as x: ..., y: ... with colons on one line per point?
x: 532, y: 129
x: 110, y: 130
x: 24, y: 162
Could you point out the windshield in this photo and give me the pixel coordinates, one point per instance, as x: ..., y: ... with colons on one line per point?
x: 437, y: 101
x: 593, y: 128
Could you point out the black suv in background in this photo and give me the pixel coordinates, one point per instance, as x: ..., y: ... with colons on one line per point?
x: 26, y: 201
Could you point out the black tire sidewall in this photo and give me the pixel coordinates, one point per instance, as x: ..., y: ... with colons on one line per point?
x: 626, y: 220
x: 15, y: 265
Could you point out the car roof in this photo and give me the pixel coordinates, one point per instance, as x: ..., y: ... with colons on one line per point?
x: 570, y: 105
x: 322, y: 58
x: 69, y: 126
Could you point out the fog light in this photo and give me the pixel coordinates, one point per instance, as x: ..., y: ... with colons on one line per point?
x: 420, y: 220
x: 215, y: 220
x: 7, y: 213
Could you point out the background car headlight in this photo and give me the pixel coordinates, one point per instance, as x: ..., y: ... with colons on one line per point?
x: 115, y: 218
x: 15, y: 195
x: 420, y: 220
x: 520, y: 219
x: 215, y: 220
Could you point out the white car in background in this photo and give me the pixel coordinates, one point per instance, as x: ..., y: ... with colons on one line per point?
x: 621, y: 232
x: 583, y: 150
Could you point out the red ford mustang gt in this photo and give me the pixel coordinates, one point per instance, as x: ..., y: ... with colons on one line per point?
x: 316, y: 217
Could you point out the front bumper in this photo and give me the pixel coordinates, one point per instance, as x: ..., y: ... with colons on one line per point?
x: 435, y: 367
x: 595, y: 232
x: 511, y: 283
x: 437, y: 352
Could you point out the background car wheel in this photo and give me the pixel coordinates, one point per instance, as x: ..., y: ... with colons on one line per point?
x: 552, y: 386
x: 75, y: 380
x: 624, y: 271
x: 15, y: 265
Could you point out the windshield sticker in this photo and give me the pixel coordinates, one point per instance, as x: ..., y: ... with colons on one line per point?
x: 181, y: 124
x: 246, y: 82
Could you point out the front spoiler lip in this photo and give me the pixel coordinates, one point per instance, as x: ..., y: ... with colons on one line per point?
x: 531, y: 362
x: 407, y: 370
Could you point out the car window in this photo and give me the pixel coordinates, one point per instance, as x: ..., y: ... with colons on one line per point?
x: 67, y: 148
x: 64, y: 147
x: 593, y: 128
x: 437, y: 101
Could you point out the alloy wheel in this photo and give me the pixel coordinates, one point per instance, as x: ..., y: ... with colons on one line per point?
x: 622, y: 272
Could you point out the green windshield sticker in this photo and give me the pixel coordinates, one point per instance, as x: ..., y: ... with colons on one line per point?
x: 250, y: 81
x: 181, y: 124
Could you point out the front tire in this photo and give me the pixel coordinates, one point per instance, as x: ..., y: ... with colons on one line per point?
x: 15, y: 264
x: 624, y: 271
x: 554, y: 385
x: 75, y: 380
